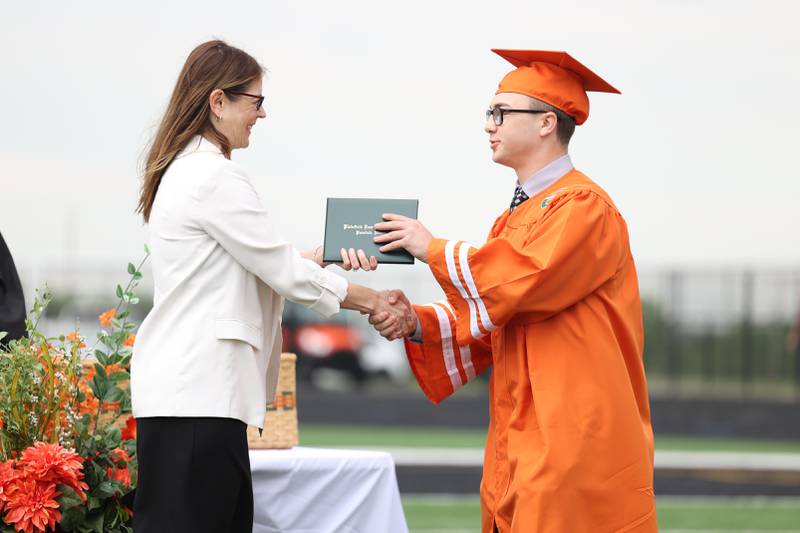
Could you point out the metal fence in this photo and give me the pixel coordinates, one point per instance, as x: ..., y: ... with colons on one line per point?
x: 721, y: 332
x: 708, y: 332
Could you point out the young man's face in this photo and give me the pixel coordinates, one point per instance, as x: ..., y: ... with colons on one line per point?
x: 519, y: 135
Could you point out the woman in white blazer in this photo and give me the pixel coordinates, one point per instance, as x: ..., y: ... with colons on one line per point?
x: 205, y: 361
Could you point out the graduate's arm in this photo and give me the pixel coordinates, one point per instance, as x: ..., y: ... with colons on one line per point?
x: 578, y: 245
x: 439, y: 364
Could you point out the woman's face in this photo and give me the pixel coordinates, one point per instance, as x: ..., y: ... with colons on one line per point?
x: 238, y: 113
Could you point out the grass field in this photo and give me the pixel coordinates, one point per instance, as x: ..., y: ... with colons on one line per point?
x: 437, y: 514
x: 392, y: 437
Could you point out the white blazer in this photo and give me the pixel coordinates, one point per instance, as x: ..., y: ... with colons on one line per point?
x: 211, y: 344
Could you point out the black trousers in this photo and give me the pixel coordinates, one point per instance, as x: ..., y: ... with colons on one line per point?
x: 194, y: 476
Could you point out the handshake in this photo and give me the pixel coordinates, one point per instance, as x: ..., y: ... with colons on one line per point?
x: 392, y: 315
x: 390, y: 312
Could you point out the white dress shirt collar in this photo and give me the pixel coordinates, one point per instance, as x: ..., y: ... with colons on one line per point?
x: 547, y: 175
x: 198, y: 143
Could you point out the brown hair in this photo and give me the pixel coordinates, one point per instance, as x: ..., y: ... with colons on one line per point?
x: 565, y: 124
x: 212, y: 65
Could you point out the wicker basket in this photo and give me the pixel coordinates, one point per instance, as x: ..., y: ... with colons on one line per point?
x: 280, y: 422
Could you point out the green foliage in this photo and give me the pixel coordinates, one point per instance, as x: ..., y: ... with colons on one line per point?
x: 733, y: 359
x: 46, y: 396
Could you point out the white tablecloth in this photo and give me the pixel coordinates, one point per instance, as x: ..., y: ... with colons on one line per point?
x: 312, y: 490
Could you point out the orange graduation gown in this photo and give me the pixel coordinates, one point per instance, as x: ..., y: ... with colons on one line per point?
x: 551, y: 302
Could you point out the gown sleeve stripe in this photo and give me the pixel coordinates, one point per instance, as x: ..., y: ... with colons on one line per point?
x: 465, y: 270
x: 450, y: 259
x: 466, y: 361
x: 446, y: 334
x: 464, y: 352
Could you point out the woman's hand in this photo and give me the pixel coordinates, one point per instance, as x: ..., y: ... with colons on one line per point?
x: 351, y: 259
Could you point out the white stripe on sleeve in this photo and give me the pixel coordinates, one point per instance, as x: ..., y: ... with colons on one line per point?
x: 464, y: 351
x: 447, y: 346
x: 465, y: 270
x: 450, y: 259
x: 466, y: 361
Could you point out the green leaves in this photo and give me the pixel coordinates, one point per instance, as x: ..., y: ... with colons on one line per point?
x: 68, y: 498
x: 101, y: 371
x: 114, y: 394
x: 72, y: 518
x: 119, y: 376
x: 99, y: 386
x: 133, y: 271
x: 39, y: 382
x: 102, y: 358
x: 106, y: 489
x: 95, y: 523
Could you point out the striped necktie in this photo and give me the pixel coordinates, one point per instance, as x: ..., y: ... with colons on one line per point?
x: 519, y: 197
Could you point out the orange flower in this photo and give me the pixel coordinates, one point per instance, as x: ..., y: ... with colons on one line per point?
x: 89, y: 405
x: 123, y: 475
x: 112, y: 406
x: 106, y: 316
x: 130, y: 340
x: 116, y: 367
x: 129, y: 433
x: 32, y: 506
x: 121, y: 455
x: 51, y: 463
x: 75, y: 337
x: 7, y: 476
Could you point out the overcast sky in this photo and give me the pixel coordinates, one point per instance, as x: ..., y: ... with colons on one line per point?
x: 386, y: 99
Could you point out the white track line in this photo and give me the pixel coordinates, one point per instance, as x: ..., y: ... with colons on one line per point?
x: 465, y: 457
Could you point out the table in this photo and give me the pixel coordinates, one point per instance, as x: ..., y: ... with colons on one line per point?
x: 315, y: 490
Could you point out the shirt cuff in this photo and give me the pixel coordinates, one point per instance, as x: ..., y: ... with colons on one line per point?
x: 417, y: 335
x: 334, y: 283
x: 334, y: 291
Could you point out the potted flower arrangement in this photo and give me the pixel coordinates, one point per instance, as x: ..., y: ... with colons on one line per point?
x: 67, y: 439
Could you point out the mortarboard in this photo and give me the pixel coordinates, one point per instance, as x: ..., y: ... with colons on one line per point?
x: 552, y: 77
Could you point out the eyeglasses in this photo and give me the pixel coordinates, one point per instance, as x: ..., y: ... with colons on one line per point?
x: 259, y: 98
x: 498, y: 112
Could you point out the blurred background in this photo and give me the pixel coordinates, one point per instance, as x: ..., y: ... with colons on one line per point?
x: 374, y: 100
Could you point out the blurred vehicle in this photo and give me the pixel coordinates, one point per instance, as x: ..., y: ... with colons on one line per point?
x: 344, y: 343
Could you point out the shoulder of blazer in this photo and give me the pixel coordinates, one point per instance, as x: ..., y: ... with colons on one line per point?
x: 206, y: 170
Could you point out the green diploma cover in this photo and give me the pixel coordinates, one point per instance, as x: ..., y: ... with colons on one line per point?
x: 350, y: 223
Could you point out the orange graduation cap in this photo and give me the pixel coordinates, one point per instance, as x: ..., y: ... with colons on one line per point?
x: 552, y: 77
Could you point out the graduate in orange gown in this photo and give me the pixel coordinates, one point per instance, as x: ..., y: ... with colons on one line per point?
x: 551, y: 302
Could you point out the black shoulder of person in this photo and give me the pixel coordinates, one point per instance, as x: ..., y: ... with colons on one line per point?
x: 12, y: 301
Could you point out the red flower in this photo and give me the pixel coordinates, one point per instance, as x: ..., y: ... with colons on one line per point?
x: 8, y: 474
x: 123, y: 475
x: 32, y: 506
x: 129, y: 340
x: 129, y: 433
x: 53, y: 464
x: 118, y: 455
